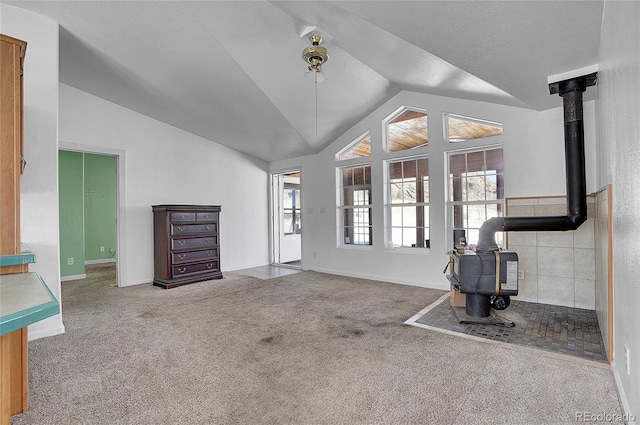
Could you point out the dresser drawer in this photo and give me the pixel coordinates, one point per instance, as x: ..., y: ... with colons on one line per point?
x: 207, y: 216
x: 187, y: 269
x: 193, y: 229
x: 192, y: 243
x: 188, y: 257
x: 182, y: 216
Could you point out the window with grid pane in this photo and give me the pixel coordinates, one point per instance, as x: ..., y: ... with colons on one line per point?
x: 476, y: 190
x: 408, y: 202
x: 291, y: 209
x: 356, y: 205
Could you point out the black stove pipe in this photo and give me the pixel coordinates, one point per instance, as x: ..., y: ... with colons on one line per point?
x: 571, y: 93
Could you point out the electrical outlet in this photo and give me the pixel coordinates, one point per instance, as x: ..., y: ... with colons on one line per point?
x: 70, y: 261
x: 101, y: 249
x: 626, y: 360
x: 315, y: 254
x: 520, y: 274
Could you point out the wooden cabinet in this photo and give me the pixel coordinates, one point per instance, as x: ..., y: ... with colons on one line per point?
x: 14, y: 384
x: 186, y: 244
x: 24, y: 297
x: 11, y: 160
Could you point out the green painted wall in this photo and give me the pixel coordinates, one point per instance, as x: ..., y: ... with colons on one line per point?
x: 99, y: 207
x: 71, y: 213
x: 87, y: 193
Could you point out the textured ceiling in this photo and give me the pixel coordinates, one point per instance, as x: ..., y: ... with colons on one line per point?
x: 232, y: 71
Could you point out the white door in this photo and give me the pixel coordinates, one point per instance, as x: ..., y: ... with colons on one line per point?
x: 287, y: 229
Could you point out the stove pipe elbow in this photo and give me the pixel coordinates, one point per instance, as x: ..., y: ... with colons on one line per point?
x: 571, y: 93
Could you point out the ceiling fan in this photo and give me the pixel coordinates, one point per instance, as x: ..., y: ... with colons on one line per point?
x: 316, y: 56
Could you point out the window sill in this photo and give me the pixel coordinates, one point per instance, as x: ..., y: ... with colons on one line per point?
x: 356, y: 247
x: 411, y: 251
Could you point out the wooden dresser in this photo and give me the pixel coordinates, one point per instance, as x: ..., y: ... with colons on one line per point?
x: 186, y: 244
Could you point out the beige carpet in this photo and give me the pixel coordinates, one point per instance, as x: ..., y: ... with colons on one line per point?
x: 308, y: 348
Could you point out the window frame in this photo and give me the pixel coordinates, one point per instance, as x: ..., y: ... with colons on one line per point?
x: 343, y: 208
x: 295, y: 209
x: 445, y: 127
x: 378, y: 222
x: 353, y: 144
x: 449, y: 204
x: 389, y: 205
x: 385, y: 130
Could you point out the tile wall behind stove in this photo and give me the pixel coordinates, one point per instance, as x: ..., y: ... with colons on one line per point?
x: 559, y: 267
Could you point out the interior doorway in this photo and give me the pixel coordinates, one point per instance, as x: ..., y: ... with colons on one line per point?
x: 91, y: 182
x: 286, y: 218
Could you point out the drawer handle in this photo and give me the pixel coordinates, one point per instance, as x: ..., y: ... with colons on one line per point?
x: 183, y: 216
x: 207, y: 240
x: 209, y: 266
x: 181, y: 243
x: 209, y: 227
x: 182, y: 256
x: 182, y: 269
x: 208, y: 253
x: 180, y: 228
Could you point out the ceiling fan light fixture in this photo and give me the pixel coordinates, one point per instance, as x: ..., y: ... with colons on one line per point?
x: 320, y: 76
x: 315, y: 55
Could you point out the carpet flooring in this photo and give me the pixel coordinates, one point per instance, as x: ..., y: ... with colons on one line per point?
x: 306, y: 348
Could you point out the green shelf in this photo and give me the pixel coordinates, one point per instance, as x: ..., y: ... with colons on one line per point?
x: 24, y: 257
x: 24, y: 299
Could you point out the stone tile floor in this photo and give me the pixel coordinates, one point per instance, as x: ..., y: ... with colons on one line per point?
x: 268, y: 272
x: 557, y: 329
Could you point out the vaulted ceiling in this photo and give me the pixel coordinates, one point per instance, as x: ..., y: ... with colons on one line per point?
x: 232, y: 72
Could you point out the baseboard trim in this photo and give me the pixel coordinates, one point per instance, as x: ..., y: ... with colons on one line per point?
x: 138, y: 282
x: 43, y: 333
x: 100, y: 261
x: 73, y: 277
x: 432, y: 285
x: 626, y: 408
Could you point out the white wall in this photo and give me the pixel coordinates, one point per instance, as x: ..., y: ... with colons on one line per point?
x: 618, y: 159
x: 534, y: 166
x: 543, y: 151
x: 39, y: 183
x: 165, y: 165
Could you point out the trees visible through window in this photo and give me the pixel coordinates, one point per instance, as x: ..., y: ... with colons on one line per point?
x: 476, y: 190
x: 408, y: 202
x: 356, y: 205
